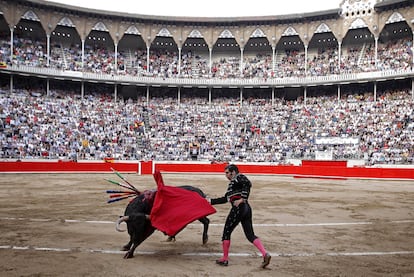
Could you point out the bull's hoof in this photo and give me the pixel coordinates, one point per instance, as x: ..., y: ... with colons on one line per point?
x: 205, y: 239
x: 170, y: 239
x: 126, y: 247
x: 128, y: 255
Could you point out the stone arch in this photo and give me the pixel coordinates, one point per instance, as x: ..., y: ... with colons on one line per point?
x: 395, y: 17
x: 67, y: 22
x: 164, y: 32
x: 132, y: 30
x: 100, y: 26
x: 195, y: 34
x: 290, y: 31
x: 30, y: 15
x: 358, y: 23
x: 226, y: 34
x: 258, y: 33
x: 323, y: 28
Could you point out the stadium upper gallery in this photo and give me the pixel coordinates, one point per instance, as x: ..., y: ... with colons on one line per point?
x: 81, y: 83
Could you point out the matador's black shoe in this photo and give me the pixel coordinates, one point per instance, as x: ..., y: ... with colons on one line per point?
x: 222, y: 262
x: 266, y: 260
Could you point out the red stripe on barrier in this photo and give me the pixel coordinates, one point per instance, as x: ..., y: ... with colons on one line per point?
x: 317, y: 169
x: 321, y: 177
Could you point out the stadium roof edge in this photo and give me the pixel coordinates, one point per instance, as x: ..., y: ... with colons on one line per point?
x: 318, y: 15
x: 391, y: 4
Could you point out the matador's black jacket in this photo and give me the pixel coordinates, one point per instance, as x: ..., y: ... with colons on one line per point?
x: 239, y: 187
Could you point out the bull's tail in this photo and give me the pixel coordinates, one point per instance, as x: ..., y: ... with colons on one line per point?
x: 119, y: 221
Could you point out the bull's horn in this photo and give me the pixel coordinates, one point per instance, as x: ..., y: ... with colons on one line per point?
x: 118, y: 223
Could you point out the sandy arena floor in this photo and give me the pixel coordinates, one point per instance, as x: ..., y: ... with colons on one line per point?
x: 61, y: 225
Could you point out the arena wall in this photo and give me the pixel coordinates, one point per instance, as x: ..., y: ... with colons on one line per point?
x: 307, y: 169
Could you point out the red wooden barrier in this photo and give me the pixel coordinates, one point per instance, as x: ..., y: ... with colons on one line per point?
x: 310, y: 169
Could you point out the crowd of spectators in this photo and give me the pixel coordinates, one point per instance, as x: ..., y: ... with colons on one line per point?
x: 65, y: 126
x: 391, y: 55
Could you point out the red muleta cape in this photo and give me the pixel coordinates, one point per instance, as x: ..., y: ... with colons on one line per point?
x: 175, y: 207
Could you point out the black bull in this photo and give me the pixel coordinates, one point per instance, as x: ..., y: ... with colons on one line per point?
x: 139, y: 226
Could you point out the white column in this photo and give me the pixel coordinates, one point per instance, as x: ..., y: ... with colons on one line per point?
x: 412, y: 51
x: 412, y: 89
x: 339, y: 56
x: 306, y: 60
x: 83, y: 55
x: 339, y: 93
x: 11, y: 44
x: 304, y: 95
x: 116, y: 59
x: 241, y: 96
x: 11, y: 83
x: 274, y: 60
x: 376, y: 52
x: 241, y: 61
x: 210, y: 50
x: 47, y: 87
x: 148, y: 55
x: 148, y: 95
x: 48, y: 50
x: 179, y: 61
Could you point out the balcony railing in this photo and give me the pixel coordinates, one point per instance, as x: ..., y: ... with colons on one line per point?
x: 213, y: 82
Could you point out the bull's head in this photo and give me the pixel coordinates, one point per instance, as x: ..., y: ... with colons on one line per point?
x: 138, y: 220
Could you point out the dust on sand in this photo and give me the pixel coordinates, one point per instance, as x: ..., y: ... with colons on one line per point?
x: 61, y: 225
